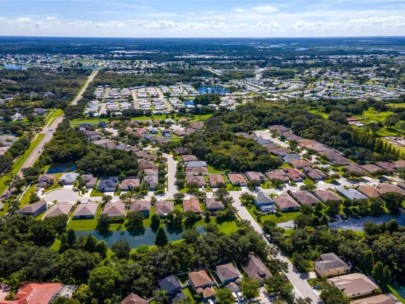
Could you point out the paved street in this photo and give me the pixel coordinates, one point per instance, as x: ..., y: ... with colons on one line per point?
x: 301, y: 287
x: 83, y: 89
x: 171, y: 176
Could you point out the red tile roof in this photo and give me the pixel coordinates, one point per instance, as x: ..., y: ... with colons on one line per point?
x: 35, y: 293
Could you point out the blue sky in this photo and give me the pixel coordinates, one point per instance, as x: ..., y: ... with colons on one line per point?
x: 202, y: 18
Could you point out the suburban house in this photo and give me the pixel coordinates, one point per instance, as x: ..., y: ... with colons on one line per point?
x: 370, y: 191
x: 202, y: 283
x: 189, y: 158
x: 45, y: 180
x: 331, y: 265
x: 327, y: 196
x: 89, y: 180
x: 228, y: 273
x: 255, y: 269
x: 289, y: 157
x: 286, y: 203
x: 58, y: 210
x: 35, y: 293
x: 152, y: 181
x: 196, y: 164
x: 237, y: 179
x: 386, y: 187
x: 386, y: 166
x: 351, y: 194
x: 129, y: 184
x: 315, y: 174
x: 85, y: 211
x: 379, y: 299
x: 171, y: 285
x: 163, y: 208
x: 68, y: 178
x: 294, y: 174
x: 34, y: 209
x: 197, y: 171
x: 372, y: 169
x: 216, y: 180
x: 181, y: 151
x: 195, y: 179
x: 213, y: 204
x: 114, y: 209
x: 256, y: 176
x: 133, y: 298
x: 300, y: 163
x: 108, y: 184
x: 264, y: 203
x: 147, y: 165
x: 278, y: 175
x: 191, y: 205
x: 140, y: 206
x: 354, y: 285
x: 305, y: 198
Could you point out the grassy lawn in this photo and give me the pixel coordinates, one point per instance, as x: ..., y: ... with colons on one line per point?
x: 398, y: 291
x: 319, y: 112
x: 373, y: 115
x: 54, y: 114
x: 211, y: 170
x: 285, y: 216
x: 95, y: 192
x: 401, y: 149
x: 77, y: 122
x: 25, y: 199
x: 18, y: 163
x: 89, y: 224
x: 396, y: 105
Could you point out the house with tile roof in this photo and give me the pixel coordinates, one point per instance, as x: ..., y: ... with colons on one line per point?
x: 114, y: 209
x: 142, y: 206
x: 133, y: 298
x: 331, y: 265
x: 305, y: 198
x: 34, y: 209
x: 58, y: 210
x: 228, y: 273
x: 85, y: 211
x: 191, y: 204
x: 286, y: 203
x: 35, y: 293
x: 213, y: 204
x: 354, y: 285
x: 255, y: 269
x: 163, y: 208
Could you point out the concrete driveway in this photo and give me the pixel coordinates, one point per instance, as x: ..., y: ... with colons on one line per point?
x: 66, y: 194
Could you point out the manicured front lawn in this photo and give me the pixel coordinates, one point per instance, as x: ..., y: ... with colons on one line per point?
x: 89, y: 224
x: 25, y: 199
x: 95, y: 192
x: 285, y: 216
x: 212, y: 170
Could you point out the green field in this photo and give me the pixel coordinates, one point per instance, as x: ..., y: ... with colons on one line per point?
x: 396, y: 105
x: 285, y: 216
x: 372, y: 115
x: 18, y: 163
x: 51, y: 117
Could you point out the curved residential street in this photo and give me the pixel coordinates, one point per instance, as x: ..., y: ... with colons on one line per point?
x: 301, y: 287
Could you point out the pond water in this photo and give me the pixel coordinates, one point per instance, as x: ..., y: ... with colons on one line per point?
x: 61, y: 168
x: 357, y: 224
x: 213, y: 90
x: 134, y: 240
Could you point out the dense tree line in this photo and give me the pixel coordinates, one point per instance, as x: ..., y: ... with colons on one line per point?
x: 226, y: 151
x: 70, y: 145
x: 25, y: 256
x: 360, y: 146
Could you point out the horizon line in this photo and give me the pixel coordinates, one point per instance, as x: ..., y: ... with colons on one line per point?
x: 204, y: 37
